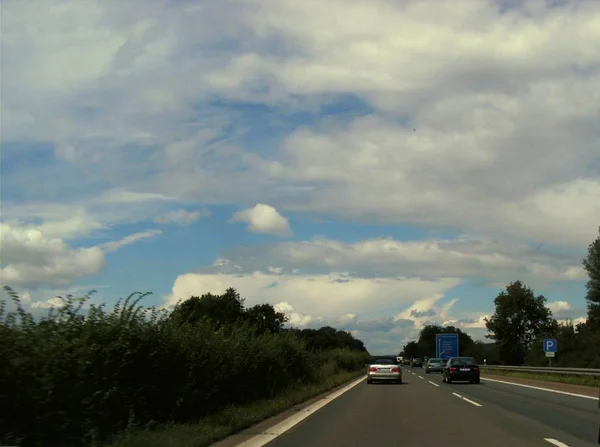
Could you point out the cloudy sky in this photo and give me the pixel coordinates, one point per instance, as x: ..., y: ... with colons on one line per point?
x: 374, y: 165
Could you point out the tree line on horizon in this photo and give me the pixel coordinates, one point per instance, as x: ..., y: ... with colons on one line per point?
x: 521, y: 321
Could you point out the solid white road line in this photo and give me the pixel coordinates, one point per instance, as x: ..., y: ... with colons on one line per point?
x: 433, y: 383
x: 555, y: 442
x: 467, y: 400
x: 583, y: 396
x: 282, y: 427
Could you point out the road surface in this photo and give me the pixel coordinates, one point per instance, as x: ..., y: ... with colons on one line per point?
x: 425, y: 411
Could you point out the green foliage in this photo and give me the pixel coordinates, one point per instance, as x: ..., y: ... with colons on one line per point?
x: 519, y: 319
x: 264, y: 318
x: 577, y: 347
x: 329, y: 338
x: 222, y: 310
x: 425, y: 346
x: 89, y: 377
x: 411, y: 350
x: 591, y: 264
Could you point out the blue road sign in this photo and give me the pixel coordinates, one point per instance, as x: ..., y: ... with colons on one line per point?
x: 550, y: 345
x: 446, y: 345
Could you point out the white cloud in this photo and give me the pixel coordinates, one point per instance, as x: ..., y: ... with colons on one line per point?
x: 181, y: 217
x: 54, y: 302
x: 321, y: 296
x: 130, y: 239
x: 493, y: 260
x: 558, y: 306
x: 263, y: 219
x: 573, y: 321
x: 458, y: 94
x: 122, y: 196
x: 30, y: 258
x: 296, y: 319
x: 338, y: 300
x: 468, y: 118
x: 428, y: 311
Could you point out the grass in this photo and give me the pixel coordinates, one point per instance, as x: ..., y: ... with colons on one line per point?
x: 590, y: 381
x: 229, y: 421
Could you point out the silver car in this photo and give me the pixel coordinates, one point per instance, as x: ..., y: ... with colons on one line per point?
x: 434, y: 365
x: 384, y: 369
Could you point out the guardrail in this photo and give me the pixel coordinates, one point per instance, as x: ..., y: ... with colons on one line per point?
x: 545, y: 369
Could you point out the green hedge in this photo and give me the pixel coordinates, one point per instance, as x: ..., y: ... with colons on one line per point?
x: 70, y: 381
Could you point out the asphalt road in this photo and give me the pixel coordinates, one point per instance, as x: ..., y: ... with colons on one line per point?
x: 425, y: 411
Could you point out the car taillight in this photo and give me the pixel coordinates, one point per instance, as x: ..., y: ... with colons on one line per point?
x: 452, y: 369
x: 475, y: 369
x: 372, y: 369
x: 395, y: 370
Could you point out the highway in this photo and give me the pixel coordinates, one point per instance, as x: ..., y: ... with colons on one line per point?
x: 425, y: 411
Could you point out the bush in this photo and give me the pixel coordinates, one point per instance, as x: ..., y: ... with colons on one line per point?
x: 70, y: 380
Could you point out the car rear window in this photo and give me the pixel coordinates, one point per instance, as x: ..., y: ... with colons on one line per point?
x: 384, y: 362
x: 464, y: 361
x: 436, y: 361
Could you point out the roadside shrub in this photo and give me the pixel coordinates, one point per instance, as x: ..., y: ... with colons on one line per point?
x: 72, y: 379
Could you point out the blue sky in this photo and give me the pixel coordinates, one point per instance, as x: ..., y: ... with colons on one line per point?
x: 376, y: 178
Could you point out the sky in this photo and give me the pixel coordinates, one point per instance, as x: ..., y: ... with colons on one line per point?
x: 376, y: 166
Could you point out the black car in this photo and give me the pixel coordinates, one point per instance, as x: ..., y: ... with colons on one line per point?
x: 417, y: 363
x: 461, y: 369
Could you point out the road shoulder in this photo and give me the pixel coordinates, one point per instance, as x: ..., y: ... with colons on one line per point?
x: 555, y: 386
x: 263, y: 426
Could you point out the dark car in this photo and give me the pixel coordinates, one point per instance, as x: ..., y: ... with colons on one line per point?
x: 461, y: 369
x: 417, y: 363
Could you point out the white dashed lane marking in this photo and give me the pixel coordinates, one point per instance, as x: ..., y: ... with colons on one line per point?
x: 555, y: 442
x: 472, y: 402
x: 433, y: 383
x: 420, y: 377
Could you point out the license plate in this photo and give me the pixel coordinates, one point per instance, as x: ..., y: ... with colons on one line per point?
x: 385, y: 369
x: 465, y: 369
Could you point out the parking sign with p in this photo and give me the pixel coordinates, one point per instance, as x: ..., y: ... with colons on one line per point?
x: 550, y: 345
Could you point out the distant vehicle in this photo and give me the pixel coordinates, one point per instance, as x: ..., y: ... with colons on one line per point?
x: 461, y: 369
x: 417, y: 363
x: 434, y: 366
x: 400, y: 359
x: 385, y: 369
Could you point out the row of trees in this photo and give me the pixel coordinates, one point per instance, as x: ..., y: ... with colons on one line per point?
x: 74, y: 379
x: 521, y: 321
x: 228, y: 309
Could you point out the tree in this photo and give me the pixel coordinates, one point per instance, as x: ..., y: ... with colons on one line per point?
x: 223, y: 309
x: 591, y: 264
x: 427, y: 344
x: 411, y: 349
x: 327, y: 338
x: 265, y: 319
x: 520, y: 317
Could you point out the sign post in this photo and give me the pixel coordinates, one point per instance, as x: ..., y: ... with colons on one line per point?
x: 550, y: 347
x: 446, y: 345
